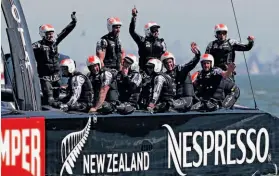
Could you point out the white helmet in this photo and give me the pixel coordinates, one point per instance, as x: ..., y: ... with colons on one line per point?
x: 113, y: 21
x: 70, y: 63
x: 168, y: 55
x: 44, y: 29
x: 220, y: 27
x: 148, y: 26
x: 207, y: 57
x: 157, y: 64
x: 92, y: 60
x: 134, y: 60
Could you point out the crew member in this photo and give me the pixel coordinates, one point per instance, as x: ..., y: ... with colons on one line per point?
x: 104, y: 86
x: 223, y: 49
x: 109, y: 49
x: 182, y: 79
x: 79, y: 92
x: 46, y: 55
x: 213, y: 86
x: 162, y: 93
x: 150, y: 46
x: 129, y: 85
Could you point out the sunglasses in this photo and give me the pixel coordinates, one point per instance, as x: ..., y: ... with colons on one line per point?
x: 149, y: 66
x: 154, y: 29
x: 222, y: 32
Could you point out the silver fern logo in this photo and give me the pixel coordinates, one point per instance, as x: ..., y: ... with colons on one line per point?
x: 72, y: 145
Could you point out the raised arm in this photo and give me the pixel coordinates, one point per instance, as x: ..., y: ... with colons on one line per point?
x: 136, y: 37
x: 67, y: 30
x: 238, y: 46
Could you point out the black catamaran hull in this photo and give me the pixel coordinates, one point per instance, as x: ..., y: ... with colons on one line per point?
x: 142, y: 144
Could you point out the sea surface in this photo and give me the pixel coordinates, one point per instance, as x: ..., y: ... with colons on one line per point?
x: 266, y: 91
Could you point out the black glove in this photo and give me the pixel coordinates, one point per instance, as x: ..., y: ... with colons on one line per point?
x: 134, y: 12
x: 56, y: 104
x: 73, y: 16
x: 211, y: 105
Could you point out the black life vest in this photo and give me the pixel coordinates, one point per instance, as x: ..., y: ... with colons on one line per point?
x: 152, y: 47
x: 168, y: 90
x: 46, y: 55
x: 210, y: 85
x: 127, y: 93
x: 113, y: 52
x: 223, y: 53
x: 182, y: 83
x: 96, y: 80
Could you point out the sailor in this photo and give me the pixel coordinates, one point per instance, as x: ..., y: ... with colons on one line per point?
x: 214, y: 87
x: 104, y: 86
x: 163, y: 92
x: 182, y: 80
x: 46, y: 55
x: 109, y: 49
x: 223, y: 49
x: 79, y: 93
x: 129, y: 85
x: 150, y: 46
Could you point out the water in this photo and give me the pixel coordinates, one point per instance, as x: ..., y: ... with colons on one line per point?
x: 266, y: 89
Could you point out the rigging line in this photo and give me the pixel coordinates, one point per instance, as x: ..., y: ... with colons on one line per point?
x: 255, y: 103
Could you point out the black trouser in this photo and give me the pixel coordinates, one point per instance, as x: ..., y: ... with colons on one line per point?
x: 206, y: 105
x: 108, y: 107
x: 126, y: 108
x: 50, y: 89
x: 163, y: 106
x: 183, y: 104
x: 78, y: 106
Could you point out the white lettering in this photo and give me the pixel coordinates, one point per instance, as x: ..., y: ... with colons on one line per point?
x: 121, y: 164
x: 92, y: 170
x: 36, y: 149
x: 230, y: 146
x: 133, y: 165
x: 114, y: 163
x: 15, y: 13
x: 241, y: 146
x: 186, y: 149
x: 16, y: 16
x: 86, y: 164
x: 114, y: 168
x: 22, y: 147
x: 100, y: 163
x: 15, y: 148
x: 206, y: 149
x: 27, y: 58
x: 146, y: 160
x: 266, y: 149
x: 126, y: 164
x: 224, y: 144
x: 174, y: 150
x: 25, y: 149
x: 139, y: 162
x: 198, y: 148
x: 109, y: 170
x: 21, y: 31
x: 251, y: 145
x: 220, y: 148
x: 5, y: 143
